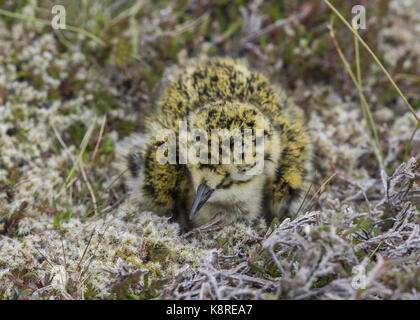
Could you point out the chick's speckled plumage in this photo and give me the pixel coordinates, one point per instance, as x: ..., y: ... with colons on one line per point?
x: 222, y: 93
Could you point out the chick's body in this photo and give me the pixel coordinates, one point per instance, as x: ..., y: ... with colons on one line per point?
x: 217, y: 94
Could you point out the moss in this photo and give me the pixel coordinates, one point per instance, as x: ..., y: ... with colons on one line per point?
x: 104, y: 102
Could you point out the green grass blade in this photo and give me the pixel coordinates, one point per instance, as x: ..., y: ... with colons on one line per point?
x: 83, y: 146
x: 367, y: 115
x: 408, y: 147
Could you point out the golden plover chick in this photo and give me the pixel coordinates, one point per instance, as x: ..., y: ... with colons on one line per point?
x: 221, y: 145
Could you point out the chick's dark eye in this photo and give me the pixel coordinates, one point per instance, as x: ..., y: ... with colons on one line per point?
x: 226, y: 184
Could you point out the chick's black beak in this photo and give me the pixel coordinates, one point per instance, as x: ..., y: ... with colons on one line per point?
x: 203, y: 194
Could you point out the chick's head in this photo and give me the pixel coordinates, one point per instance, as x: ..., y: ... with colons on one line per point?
x: 232, y: 148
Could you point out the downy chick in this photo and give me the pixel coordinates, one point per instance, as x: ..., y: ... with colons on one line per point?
x: 222, y: 94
